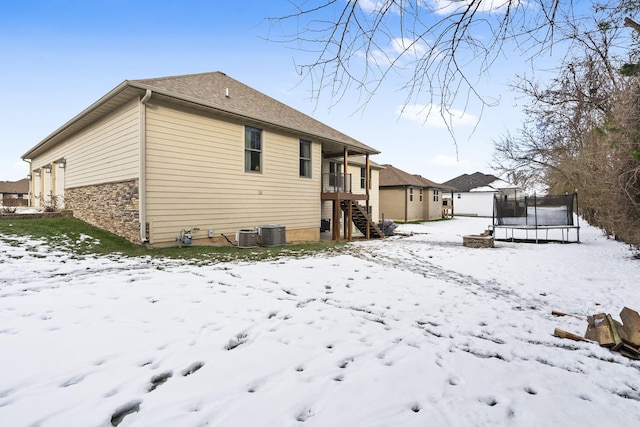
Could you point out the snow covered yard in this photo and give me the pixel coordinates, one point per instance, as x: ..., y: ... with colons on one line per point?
x: 410, y: 331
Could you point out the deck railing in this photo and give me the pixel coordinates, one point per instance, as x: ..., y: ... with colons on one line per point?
x: 336, y: 183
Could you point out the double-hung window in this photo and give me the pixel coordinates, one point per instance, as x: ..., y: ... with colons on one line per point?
x: 436, y: 195
x: 411, y: 194
x: 363, y: 178
x: 305, y: 158
x: 252, y: 149
x: 421, y: 194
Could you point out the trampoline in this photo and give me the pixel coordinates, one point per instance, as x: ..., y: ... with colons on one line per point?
x: 536, y: 219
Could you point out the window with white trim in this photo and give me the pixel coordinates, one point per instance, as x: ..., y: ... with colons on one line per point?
x: 305, y: 158
x: 252, y: 149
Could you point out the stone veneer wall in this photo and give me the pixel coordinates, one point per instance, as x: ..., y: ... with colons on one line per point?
x: 112, y: 207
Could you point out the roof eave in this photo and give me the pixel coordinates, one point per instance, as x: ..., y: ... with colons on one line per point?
x: 352, y: 148
x: 77, y: 122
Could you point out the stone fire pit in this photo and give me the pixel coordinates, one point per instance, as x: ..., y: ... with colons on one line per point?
x: 484, y: 240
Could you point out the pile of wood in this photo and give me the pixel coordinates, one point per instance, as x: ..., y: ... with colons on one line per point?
x: 623, y: 337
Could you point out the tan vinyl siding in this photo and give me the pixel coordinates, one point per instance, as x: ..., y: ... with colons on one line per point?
x: 433, y: 209
x: 106, y: 151
x: 415, y: 207
x: 196, y: 177
x: 392, y: 203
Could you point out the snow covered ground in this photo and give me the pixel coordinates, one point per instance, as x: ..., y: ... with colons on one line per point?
x: 409, y: 331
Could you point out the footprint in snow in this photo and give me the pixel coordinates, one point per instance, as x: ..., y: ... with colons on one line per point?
x: 159, y: 379
x: 489, y: 400
x: 72, y: 381
x: 345, y: 362
x: 304, y: 415
x: 236, y: 341
x: 127, y: 409
x: 192, y: 368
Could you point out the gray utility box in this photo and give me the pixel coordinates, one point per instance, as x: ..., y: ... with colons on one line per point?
x: 247, y: 239
x: 273, y: 235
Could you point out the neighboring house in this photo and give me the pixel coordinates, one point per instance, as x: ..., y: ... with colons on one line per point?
x: 405, y: 197
x: 155, y: 158
x: 474, y: 193
x: 14, y: 193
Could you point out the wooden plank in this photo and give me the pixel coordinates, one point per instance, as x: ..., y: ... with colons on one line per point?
x: 616, y: 336
x: 591, y: 332
x: 631, y: 323
x: 562, y: 314
x: 598, y: 329
x: 564, y: 334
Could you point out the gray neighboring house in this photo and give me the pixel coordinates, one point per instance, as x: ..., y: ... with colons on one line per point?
x: 474, y: 193
x: 14, y: 193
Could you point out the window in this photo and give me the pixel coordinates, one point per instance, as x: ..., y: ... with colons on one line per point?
x: 421, y: 194
x: 305, y: 158
x: 411, y: 194
x: 363, y: 178
x: 252, y: 149
x: 436, y: 195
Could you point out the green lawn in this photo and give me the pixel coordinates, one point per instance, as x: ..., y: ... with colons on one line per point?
x: 75, y: 236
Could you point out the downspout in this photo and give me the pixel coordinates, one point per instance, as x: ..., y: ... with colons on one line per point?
x: 367, y: 183
x: 406, y: 203
x: 142, y: 181
x: 30, y: 181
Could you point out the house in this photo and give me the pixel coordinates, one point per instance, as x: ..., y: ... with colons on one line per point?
x: 14, y: 193
x: 201, y: 155
x: 474, y: 193
x: 405, y: 197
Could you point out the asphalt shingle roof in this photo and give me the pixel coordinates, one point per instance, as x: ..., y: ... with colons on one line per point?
x: 465, y: 183
x: 212, y: 91
x: 391, y: 176
x: 219, y: 91
x: 14, y: 187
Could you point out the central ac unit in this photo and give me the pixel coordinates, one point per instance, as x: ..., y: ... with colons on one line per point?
x: 247, y: 239
x: 273, y: 235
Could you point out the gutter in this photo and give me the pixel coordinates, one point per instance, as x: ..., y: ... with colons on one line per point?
x: 30, y: 180
x: 142, y: 181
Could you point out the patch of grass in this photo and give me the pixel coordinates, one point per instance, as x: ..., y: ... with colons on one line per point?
x: 81, y: 239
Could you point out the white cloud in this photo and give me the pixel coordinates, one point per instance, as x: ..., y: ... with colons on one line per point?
x: 432, y: 116
x: 448, y: 7
x: 403, y: 45
x: 370, y: 5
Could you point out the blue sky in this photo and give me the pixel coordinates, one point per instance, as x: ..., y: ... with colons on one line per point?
x: 59, y: 56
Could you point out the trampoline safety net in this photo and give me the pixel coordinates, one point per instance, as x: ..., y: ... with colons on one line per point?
x: 533, y: 211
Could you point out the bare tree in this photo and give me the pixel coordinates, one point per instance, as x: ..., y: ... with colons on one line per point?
x: 440, y: 48
x: 585, y: 133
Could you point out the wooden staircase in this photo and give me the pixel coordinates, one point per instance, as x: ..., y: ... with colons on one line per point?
x: 360, y: 219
